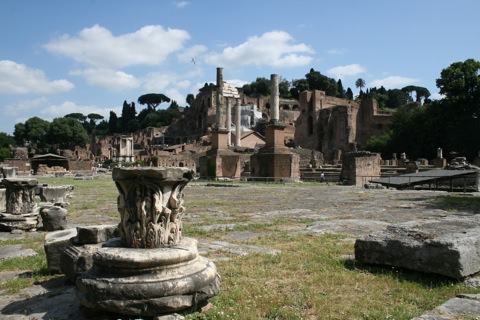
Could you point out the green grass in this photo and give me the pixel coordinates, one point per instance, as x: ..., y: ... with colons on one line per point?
x: 35, y: 271
x: 309, y: 279
x: 457, y: 202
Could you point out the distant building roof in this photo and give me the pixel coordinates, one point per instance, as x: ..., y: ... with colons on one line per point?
x: 48, y: 155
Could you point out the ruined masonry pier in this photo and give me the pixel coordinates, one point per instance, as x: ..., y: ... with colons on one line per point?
x: 21, y: 211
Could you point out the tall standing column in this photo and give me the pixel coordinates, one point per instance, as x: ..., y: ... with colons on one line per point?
x: 220, y: 119
x: 238, y: 122
x: 229, y: 120
x: 274, y: 99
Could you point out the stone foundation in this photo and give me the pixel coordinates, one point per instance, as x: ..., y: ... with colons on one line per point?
x: 147, y: 282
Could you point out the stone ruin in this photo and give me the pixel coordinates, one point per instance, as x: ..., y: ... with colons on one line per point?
x: 359, y: 167
x: 275, y: 161
x: 448, y: 247
x: 220, y: 161
x: 150, y: 269
x: 21, y: 211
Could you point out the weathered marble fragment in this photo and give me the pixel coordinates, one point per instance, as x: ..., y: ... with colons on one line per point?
x: 449, y: 247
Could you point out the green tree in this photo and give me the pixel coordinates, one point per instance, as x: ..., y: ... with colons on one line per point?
x: 190, y: 98
x: 66, y: 133
x: 317, y: 81
x: 396, y: 98
x: 133, y: 125
x: 32, y: 133
x: 20, y: 134
x: 360, y: 84
x: 247, y: 89
x: 128, y: 113
x: 461, y: 80
x: 420, y: 93
x: 5, y: 142
x: 284, y: 88
x: 349, y: 94
x: 261, y: 86
x: 460, y: 83
x: 340, y: 91
x: 298, y: 86
x: 113, y: 122
x: 153, y: 100
x: 77, y: 115
x: 381, y: 144
x: 94, y: 117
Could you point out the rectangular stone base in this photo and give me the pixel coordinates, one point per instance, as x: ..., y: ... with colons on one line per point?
x: 450, y: 247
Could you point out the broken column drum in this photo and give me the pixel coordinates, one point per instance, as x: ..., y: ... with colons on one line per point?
x: 21, y: 210
x: 150, y: 269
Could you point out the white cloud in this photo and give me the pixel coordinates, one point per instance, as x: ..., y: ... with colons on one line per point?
x: 111, y: 79
x: 341, y: 72
x: 272, y: 49
x: 170, y: 84
x: 181, y: 4
x: 55, y: 111
x: 41, y: 107
x: 436, y: 96
x: 337, y: 51
x: 98, y: 47
x: 237, y: 82
x: 25, y: 106
x: 392, y: 82
x: 17, y: 78
x: 195, y: 52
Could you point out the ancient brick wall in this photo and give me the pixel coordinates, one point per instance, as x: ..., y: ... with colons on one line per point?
x: 79, y: 165
x: 22, y: 165
x: 333, y: 125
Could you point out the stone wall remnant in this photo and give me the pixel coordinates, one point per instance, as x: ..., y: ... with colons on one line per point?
x: 359, y: 167
x: 328, y: 123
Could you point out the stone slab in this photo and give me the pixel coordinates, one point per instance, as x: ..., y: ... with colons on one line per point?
x: 15, y: 251
x: 464, y: 306
x: 54, y: 244
x: 54, y: 218
x: 448, y: 247
x: 55, y: 193
x: 3, y: 201
x: 95, y: 234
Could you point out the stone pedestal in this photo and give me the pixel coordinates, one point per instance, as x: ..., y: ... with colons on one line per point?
x: 220, y: 162
x: 441, y: 163
x: 21, y: 211
x: 55, y: 194
x: 148, y: 282
x: 9, y: 172
x: 359, y: 167
x: 150, y: 269
x: 275, y: 161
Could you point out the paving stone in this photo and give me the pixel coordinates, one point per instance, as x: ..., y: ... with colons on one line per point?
x: 15, y: 251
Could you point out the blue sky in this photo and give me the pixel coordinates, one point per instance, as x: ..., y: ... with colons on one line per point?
x: 59, y: 57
